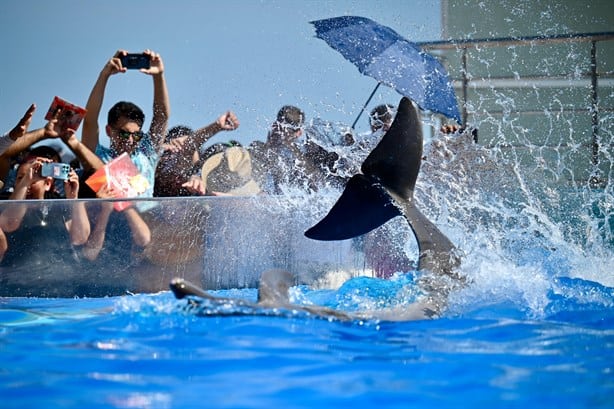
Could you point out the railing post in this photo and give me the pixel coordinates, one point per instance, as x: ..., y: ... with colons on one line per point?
x: 595, y: 180
x: 594, y: 106
x: 465, y: 85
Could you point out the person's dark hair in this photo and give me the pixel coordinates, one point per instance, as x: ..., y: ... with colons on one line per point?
x: 291, y: 116
x: 47, y: 152
x: 43, y: 152
x: 127, y: 110
x: 177, y: 131
x: 380, y: 115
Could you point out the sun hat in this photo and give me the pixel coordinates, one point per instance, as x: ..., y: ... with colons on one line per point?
x: 230, y: 171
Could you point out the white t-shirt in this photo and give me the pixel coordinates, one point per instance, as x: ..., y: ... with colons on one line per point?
x: 5, y: 142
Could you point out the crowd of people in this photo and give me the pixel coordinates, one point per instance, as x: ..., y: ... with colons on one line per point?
x: 172, y: 161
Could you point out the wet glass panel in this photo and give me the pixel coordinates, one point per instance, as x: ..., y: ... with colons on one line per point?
x: 217, y: 242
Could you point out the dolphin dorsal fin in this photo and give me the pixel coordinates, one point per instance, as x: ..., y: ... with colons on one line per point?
x: 273, y: 288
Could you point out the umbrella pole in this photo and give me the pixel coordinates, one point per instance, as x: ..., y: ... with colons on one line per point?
x: 365, y: 105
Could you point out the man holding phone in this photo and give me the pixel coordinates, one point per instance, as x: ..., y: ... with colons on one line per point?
x: 125, y: 120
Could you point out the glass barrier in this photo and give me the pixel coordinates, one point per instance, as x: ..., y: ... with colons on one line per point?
x: 217, y: 242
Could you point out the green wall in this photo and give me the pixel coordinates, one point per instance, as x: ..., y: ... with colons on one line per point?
x: 532, y: 101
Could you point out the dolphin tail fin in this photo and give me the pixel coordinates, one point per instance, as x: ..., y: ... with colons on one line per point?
x: 385, y: 190
x: 362, y: 207
x: 388, y: 178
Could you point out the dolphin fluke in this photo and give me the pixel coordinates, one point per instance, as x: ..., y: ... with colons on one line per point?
x: 385, y: 189
x: 395, y: 161
x: 362, y: 207
x: 391, y: 168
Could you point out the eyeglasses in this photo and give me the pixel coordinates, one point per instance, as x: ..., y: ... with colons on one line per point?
x: 137, y: 136
x: 285, y: 126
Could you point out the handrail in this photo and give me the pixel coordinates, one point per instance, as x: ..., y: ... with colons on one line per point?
x: 522, y: 40
x: 593, y: 38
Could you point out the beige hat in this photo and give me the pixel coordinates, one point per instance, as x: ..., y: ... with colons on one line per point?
x: 230, y: 172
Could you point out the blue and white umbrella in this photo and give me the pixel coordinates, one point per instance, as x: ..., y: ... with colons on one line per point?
x: 381, y: 53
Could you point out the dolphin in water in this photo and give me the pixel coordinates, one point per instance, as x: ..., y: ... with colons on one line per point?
x: 272, y: 294
x: 384, y: 190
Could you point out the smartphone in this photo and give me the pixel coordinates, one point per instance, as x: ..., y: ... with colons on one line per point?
x: 135, y: 61
x: 70, y: 115
x: 55, y: 170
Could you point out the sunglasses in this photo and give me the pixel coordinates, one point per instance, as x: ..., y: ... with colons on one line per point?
x: 136, y: 136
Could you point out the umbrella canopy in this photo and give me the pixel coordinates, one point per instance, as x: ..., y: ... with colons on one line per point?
x: 381, y: 53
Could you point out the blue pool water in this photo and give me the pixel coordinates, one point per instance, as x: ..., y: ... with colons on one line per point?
x: 147, y: 351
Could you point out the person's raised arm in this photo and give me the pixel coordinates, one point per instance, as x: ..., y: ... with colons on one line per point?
x: 85, y: 156
x: 95, y: 242
x: 88, y: 159
x: 79, y: 224
x: 6, y: 141
x: 24, y: 139
x: 22, y: 126
x: 161, y: 103
x: 228, y: 121
x: 90, y: 134
x: 13, y: 214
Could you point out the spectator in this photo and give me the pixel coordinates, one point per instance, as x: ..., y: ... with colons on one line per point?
x: 125, y: 119
x: 178, y: 172
x: 279, y: 161
x: 380, y: 120
x: 227, y: 170
x: 35, y: 231
x: 381, y: 117
x: 26, y: 140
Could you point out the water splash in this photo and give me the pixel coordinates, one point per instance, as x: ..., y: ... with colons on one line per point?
x: 519, y: 233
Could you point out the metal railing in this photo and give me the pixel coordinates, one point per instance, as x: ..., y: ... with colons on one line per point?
x: 540, y: 81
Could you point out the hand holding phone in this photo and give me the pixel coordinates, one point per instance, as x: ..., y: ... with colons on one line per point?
x: 135, y: 61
